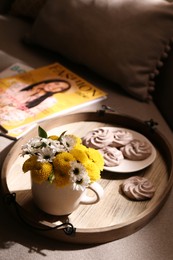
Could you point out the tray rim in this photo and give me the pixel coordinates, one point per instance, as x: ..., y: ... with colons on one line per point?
x: 143, y: 217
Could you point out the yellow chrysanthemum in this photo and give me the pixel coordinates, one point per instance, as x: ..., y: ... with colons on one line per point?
x: 79, y: 154
x: 62, y: 161
x: 70, y: 166
x: 93, y: 171
x: 80, y: 147
x: 61, y: 179
x: 96, y: 157
x: 41, y: 173
x: 53, y: 137
x: 30, y: 164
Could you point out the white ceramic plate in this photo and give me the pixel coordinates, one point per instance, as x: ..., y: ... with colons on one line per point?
x: 126, y: 165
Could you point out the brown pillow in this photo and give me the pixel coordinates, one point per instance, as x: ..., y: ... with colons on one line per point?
x: 5, y: 6
x: 126, y: 41
x: 27, y: 8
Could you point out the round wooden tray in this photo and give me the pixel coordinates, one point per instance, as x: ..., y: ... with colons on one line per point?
x: 114, y: 216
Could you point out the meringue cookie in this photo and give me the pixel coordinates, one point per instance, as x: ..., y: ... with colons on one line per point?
x: 111, y: 155
x: 138, y: 188
x: 98, y: 138
x: 136, y: 150
x: 121, y: 137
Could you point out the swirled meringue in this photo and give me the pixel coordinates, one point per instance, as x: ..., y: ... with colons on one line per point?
x: 111, y: 155
x: 121, y: 137
x: 98, y: 138
x: 136, y: 150
x: 138, y: 188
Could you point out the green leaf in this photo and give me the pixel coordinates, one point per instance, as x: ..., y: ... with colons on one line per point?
x: 41, y: 132
x: 62, y: 135
x: 51, y: 177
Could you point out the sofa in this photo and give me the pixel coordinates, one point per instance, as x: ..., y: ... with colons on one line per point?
x: 133, y: 66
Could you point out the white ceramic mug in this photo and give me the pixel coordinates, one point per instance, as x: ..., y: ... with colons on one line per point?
x: 63, y: 201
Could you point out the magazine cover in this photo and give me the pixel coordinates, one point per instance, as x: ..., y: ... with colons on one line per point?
x: 43, y: 93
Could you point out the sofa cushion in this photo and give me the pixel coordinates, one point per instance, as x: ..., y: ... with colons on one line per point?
x: 163, y: 95
x: 25, y: 8
x: 126, y: 41
x: 5, y: 5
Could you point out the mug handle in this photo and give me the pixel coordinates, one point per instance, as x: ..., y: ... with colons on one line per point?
x: 97, y: 189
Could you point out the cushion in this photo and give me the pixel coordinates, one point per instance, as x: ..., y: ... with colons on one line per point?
x: 126, y: 41
x: 163, y: 95
x: 5, y: 6
x: 25, y: 8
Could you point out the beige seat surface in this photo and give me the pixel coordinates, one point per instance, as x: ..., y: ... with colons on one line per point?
x: 153, y: 242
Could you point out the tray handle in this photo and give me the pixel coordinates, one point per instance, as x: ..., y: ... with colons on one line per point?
x: 10, y: 199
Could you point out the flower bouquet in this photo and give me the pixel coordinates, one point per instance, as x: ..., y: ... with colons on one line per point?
x: 61, y: 162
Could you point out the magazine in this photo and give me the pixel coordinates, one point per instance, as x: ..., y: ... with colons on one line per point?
x: 38, y: 94
x: 16, y: 68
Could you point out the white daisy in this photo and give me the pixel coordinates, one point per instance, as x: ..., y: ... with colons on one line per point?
x: 68, y: 142
x: 31, y: 146
x: 77, y: 170
x: 79, y: 176
x: 46, y: 154
x: 59, y: 147
x: 82, y: 183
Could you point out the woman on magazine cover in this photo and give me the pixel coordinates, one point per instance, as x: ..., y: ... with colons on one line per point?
x: 30, y: 100
x: 38, y: 92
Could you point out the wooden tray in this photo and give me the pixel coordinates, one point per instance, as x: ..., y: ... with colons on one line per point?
x: 114, y: 216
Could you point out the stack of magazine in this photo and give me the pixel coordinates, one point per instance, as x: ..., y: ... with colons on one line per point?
x: 29, y: 96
